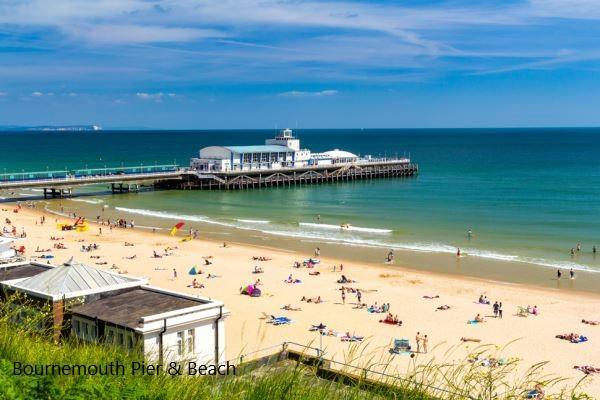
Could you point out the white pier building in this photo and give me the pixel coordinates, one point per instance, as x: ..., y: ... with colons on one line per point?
x: 282, y: 151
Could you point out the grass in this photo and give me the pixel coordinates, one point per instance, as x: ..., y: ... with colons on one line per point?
x: 29, y: 344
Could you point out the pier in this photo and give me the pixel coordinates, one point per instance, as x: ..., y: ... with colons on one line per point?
x: 279, y: 162
x: 287, y: 177
x: 60, y: 184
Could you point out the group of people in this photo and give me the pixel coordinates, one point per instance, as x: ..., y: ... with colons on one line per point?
x: 571, y: 271
x: 422, y: 342
x: 90, y: 247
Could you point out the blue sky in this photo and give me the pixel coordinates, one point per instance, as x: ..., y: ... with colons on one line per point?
x: 312, y: 64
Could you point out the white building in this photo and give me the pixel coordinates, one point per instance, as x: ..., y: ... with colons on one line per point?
x: 99, y: 305
x: 282, y: 151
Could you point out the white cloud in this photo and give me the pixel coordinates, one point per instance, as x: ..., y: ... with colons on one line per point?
x: 137, y: 34
x: 37, y: 94
x: 157, y: 97
x: 3, y: 94
x: 297, y: 93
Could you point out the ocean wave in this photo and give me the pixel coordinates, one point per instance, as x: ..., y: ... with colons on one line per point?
x: 349, y: 228
x: 89, y: 201
x: 429, y: 248
x: 175, y: 216
x: 324, y: 233
x: 163, y: 214
x: 254, y: 221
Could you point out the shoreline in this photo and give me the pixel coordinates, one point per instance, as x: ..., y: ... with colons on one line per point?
x: 476, y: 267
x: 531, y: 339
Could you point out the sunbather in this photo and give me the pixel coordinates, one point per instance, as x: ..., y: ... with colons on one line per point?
x: 288, y: 307
x: 351, y: 338
x: 468, y: 339
x: 443, y: 307
x: 478, y: 319
x: 431, y: 297
x: 590, y: 322
x: 315, y: 300
x: 392, y: 320
x: 572, y: 337
x: 587, y: 369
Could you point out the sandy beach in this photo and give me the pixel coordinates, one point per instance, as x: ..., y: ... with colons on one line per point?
x: 532, y: 338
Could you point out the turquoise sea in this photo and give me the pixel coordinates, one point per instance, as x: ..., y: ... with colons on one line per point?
x: 527, y: 194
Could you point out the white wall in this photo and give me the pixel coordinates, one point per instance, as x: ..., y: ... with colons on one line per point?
x: 203, y: 339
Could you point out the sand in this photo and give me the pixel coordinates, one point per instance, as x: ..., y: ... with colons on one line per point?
x: 531, y: 339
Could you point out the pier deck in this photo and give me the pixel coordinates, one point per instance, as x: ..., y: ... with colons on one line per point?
x: 250, y: 179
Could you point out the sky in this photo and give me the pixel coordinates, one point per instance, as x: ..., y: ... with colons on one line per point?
x: 196, y: 64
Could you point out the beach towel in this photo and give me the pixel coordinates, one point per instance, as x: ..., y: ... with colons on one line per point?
x: 472, y: 322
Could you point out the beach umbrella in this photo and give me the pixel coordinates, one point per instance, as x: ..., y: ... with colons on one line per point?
x: 177, y: 227
x: 192, y: 271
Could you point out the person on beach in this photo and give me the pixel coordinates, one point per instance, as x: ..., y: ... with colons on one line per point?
x: 317, y: 252
x: 174, y: 274
x: 343, y: 296
x: 558, y: 274
x: 495, y: 307
x: 358, y: 296
x: 425, y: 343
x: 458, y: 252
x: 418, y: 339
x: 500, y: 310
x: 572, y: 273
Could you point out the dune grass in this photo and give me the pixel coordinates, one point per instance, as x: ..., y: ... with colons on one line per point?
x: 27, y: 343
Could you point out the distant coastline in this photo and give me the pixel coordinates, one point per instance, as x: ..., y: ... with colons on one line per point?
x: 50, y: 128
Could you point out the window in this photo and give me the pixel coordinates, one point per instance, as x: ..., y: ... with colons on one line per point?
x: 110, y: 336
x: 247, y: 157
x: 121, y: 339
x: 190, y: 341
x: 179, y: 343
x: 129, y: 342
x: 264, y: 157
x: 77, y: 326
x: 85, y: 328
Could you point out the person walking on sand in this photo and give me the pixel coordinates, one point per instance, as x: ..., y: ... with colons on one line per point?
x: 358, y: 296
x: 572, y: 273
x: 500, y: 310
x: 558, y: 274
x: 418, y: 339
x: 174, y: 274
x: 317, y: 252
x: 343, y: 296
x: 458, y: 252
x: 495, y: 309
x: 425, y: 343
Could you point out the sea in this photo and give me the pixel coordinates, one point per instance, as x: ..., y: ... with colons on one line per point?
x: 527, y: 195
